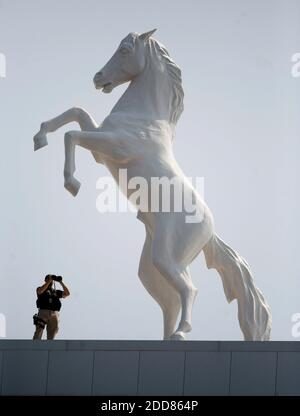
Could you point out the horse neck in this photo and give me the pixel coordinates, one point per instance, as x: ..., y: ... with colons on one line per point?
x: 149, y: 94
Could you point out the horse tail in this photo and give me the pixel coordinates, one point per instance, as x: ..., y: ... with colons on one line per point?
x: 253, y: 311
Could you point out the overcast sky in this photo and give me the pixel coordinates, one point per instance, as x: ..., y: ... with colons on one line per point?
x: 239, y: 130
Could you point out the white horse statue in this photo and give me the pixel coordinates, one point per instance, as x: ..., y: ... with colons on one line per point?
x: 137, y: 136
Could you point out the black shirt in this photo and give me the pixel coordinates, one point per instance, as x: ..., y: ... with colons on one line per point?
x: 50, y: 300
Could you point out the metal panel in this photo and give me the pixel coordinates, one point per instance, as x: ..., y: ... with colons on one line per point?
x: 24, y: 372
x: 115, y: 373
x: 1, y: 370
x: 161, y: 373
x: 288, y: 374
x: 253, y: 373
x: 70, y: 373
x: 207, y: 373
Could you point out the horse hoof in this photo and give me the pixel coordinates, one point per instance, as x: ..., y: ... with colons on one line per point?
x: 40, y: 140
x: 178, y: 336
x: 72, y: 185
x: 184, y: 326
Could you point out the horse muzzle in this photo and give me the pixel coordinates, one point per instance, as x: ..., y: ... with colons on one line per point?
x: 100, y: 84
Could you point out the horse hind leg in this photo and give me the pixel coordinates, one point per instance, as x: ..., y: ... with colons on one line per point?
x: 157, y: 286
x: 181, y: 281
x: 85, y: 121
x: 179, y: 278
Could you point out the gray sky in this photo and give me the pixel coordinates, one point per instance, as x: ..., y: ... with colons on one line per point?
x: 240, y: 130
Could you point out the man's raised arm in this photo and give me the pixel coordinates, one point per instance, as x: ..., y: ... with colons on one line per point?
x: 66, y: 291
x: 40, y: 290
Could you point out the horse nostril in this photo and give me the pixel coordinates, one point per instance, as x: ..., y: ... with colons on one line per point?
x: 99, y: 75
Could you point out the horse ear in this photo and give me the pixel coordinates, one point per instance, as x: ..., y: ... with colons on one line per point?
x: 146, y: 35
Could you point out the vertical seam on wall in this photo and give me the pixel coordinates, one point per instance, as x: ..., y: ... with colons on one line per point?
x: 230, y: 365
x: 277, y: 354
x: 93, y: 372
x: 184, y: 369
x: 47, y: 375
x: 138, y: 374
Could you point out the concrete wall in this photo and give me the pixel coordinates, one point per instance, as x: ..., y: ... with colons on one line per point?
x: 149, y: 368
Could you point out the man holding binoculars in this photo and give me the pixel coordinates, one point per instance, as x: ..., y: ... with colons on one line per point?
x: 49, y: 305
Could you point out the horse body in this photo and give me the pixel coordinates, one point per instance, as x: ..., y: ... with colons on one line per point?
x: 137, y: 137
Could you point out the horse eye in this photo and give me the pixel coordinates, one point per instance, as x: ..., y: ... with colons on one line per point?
x: 124, y: 50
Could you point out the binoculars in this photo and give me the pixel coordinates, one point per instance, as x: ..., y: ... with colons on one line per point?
x: 56, y: 278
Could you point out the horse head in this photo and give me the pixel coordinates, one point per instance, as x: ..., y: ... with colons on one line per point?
x: 126, y: 63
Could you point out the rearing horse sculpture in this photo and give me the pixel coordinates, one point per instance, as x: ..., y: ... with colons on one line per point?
x: 137, y: 136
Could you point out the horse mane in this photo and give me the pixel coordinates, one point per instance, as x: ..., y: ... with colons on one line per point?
x: 174, y: 73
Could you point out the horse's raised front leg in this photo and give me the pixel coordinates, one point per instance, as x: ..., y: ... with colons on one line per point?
x: 105, y: 143
x: 76, y: 114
